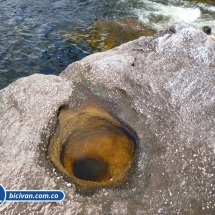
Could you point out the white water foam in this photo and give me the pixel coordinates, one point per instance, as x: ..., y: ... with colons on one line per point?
x: 158, y: 15
x: 207, y: 19
x: 207, y: 7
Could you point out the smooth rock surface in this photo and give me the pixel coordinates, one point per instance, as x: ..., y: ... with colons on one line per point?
x: 161, y: 86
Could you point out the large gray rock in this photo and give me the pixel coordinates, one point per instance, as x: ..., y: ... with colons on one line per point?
x: 161, y: 86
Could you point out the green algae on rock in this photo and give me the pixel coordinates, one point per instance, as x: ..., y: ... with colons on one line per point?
x: 92, y: 147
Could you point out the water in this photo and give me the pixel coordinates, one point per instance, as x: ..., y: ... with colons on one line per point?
x: 32, y: 33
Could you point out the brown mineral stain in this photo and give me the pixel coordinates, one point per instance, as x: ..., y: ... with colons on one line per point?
x: 106, y: 34
x: 91, y: 146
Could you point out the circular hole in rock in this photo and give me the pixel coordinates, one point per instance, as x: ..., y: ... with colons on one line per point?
x: 92, y: 147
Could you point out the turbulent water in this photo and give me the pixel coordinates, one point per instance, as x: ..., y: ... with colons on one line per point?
x: 32, y: 33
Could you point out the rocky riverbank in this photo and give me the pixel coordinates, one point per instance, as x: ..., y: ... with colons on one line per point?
x: 161, y: 86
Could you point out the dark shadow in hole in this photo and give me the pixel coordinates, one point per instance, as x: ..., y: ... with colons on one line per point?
x: 89, y: 169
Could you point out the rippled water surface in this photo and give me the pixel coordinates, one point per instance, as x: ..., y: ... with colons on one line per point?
x: 33, y: 33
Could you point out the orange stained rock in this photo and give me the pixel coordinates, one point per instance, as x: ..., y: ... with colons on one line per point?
x: 91, y: 146
x: 106, y: 34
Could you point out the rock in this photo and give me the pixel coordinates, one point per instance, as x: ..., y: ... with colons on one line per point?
x: 105, y: 34
x: 162, y: 87
x: 27, y: 107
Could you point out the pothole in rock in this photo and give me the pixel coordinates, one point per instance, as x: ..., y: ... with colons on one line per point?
x: 92, y: 147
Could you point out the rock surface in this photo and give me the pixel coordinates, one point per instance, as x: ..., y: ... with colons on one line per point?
x: 161, y: 86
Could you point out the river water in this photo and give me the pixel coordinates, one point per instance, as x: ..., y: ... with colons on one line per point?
x: 33, y: 33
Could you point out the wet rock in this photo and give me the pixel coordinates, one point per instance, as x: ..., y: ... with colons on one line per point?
x: 92, y: 147
x: 162, y: 87
x: 105, y: 34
